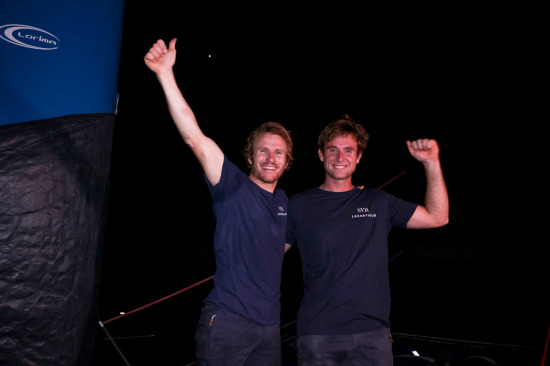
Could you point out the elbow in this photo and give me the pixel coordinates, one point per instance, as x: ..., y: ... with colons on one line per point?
x: 438, y: 220
x: 442, y: 221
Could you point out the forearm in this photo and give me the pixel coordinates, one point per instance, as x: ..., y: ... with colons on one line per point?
x: 180, y: 111
x: 205, y: 149
x: 436, y: 198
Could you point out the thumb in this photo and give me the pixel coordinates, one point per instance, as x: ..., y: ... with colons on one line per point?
x: 172, y: 44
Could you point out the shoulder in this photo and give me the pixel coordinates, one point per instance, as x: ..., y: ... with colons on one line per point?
x: 232, y: 170
x: 304, y: 195
x: 232, y: 177
x: 374, y: 192
x: 375, y: 196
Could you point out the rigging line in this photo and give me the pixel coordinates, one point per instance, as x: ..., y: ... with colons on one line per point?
x: 407, y: 170
x: 287, y: 324
x: 114, y: 344
x: 542, y: 362
x: 394, y: 178
x: 457, y: 137
x: 157, y: 301
x: 206, y: 279
x: 464, y: 342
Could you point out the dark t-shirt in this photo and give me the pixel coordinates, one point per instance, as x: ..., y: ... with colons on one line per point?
x: 248, y: 246
x: 342, y: 238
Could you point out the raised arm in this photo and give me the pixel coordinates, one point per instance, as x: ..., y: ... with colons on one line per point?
x: 161, y: 61
x: 435, y: 211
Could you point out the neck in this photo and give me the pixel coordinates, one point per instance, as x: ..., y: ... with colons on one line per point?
x: 270, y: 187
x: 332, y: 185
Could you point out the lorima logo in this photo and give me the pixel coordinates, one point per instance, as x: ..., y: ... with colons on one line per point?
x: 30, y: 37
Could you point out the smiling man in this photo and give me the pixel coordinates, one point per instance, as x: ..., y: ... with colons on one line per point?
x: 240, y: 320
x: 341, y: 232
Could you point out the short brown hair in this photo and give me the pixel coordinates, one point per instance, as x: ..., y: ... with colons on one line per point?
x: 344, y: 126
x: 274, y: 128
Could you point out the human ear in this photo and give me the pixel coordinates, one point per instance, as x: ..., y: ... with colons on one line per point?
x: 321, y: 155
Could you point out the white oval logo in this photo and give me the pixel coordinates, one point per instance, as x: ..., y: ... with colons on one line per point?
x: 30, y: 37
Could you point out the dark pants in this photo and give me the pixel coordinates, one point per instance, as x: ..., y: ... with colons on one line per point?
x: 228, y: 339
x: 372, y: 348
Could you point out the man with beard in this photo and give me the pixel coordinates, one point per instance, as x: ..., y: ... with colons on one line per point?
x: 240, y: 320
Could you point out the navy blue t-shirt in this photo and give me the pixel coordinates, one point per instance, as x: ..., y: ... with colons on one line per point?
x: 342, y: 238
x: 248, y: 246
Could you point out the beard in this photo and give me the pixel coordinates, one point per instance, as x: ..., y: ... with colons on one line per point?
x: 270, y: 177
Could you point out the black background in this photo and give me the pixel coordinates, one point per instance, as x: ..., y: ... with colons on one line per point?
x: 404, y: 72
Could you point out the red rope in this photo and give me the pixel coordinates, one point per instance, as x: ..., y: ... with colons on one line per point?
x: 545, y: 347
x: 407, y: 170
x: 157, y: 301
x: 206, y: 279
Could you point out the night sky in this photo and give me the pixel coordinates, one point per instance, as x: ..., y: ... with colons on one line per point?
x: 403, y: 73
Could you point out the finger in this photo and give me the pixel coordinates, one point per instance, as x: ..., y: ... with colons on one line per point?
x: 426, y: 144
x: 421, y: 144
x: 159, y: 48
x: 152, y: 55
x: 172, y: 44
x: 162, y: 46
x: 156, y: 51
